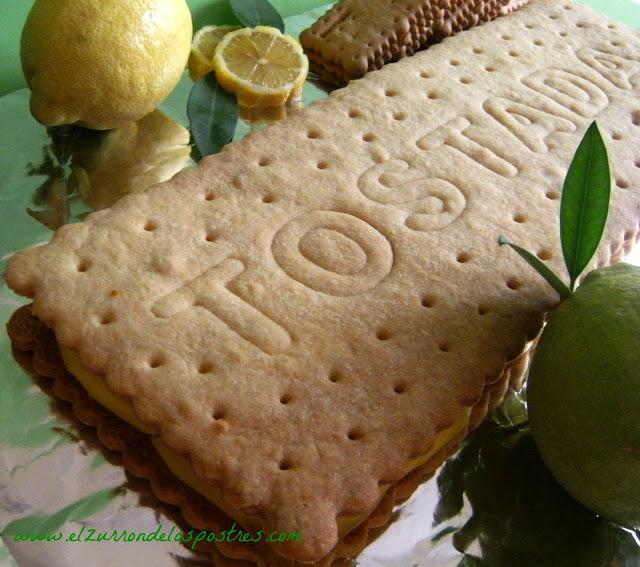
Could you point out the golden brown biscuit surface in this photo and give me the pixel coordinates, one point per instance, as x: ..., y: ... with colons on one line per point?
x: 32, y: 338
x: 303, y: 312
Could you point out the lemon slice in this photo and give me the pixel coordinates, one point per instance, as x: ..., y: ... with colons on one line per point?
x: 203, y: 47
x: 261, y: 66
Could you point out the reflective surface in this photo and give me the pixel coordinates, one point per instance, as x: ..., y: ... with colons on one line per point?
x: 100, y: 167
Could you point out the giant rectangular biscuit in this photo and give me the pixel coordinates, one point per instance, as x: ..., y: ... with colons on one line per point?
x: 357, y: 36
x: 34, y: 348
x: 303, y: 316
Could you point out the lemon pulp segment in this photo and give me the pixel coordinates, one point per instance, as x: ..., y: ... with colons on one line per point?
x: 262, y: 60
x: 181, y: 467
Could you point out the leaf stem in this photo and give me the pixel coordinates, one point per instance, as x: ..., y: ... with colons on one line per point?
x: 552, y: 279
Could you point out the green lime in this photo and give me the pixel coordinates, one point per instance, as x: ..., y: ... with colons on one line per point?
x: 584, y: 394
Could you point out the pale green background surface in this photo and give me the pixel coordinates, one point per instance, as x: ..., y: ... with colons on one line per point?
x: 27, y: 425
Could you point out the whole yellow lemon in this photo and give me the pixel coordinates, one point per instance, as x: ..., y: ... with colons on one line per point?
x: 103, y: 63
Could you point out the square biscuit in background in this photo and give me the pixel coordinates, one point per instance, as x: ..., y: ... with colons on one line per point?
x: 300, y: 317
x: 358, y: 36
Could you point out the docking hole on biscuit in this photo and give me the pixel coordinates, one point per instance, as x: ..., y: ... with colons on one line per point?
x: 355, y: 434
x: 514, y: 283
x: 383, y: 334
x: 84, y: 265
x: 108, y: 318
x: 209, y: 196
x: 622, y: 183
x: 285, y: 399
x: 545, y: 254
x: 444, y: 347
x: 520, y: 218
x: 218, y: 414
x: 369, y: 137
x: 483, y: 309
x: 211, y: 236
x: 150, y: 226
x: 205, y: 368
x: 552, y: 195
x: 156, y: 360
x: 313, y: 134
x: 400, y: 387
x: 463, y: 257
x: 428, y: 301
x: 335, y: 376
x: 268, y: 199
x: 285, y: 464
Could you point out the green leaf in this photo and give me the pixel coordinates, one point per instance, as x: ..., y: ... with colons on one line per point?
x: 585, y: 203
x: 213, y: 115
x: 552, y: 279
x: 252, y: 13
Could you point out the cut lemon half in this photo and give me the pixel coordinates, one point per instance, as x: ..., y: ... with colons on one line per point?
x: 261, y: 66
x: 203, y: 47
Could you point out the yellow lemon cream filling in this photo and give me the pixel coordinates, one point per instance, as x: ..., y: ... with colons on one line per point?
x: 181, y: 467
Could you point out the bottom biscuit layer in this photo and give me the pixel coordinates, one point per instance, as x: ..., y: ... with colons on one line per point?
x: 181, y: 466
x: 141, y: 459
